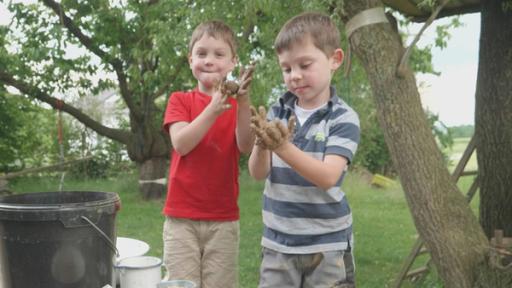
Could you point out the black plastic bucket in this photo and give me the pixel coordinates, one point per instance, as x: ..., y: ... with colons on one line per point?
x: 57, y: 239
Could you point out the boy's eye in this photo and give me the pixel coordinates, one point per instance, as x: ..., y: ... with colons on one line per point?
x: 286, y: 70
x: 305, y: 65
x: 219, y: 54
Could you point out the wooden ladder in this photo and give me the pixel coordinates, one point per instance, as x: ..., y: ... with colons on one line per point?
x: 418, y: 247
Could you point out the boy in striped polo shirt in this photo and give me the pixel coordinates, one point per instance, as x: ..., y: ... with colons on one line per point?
x: 307, y: 239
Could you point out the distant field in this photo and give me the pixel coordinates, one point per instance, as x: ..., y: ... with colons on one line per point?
x: 456, y: 151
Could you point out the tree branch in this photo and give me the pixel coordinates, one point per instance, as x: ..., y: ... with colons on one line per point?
x: 120, y: 135
x: 403, y: 62
x: 182, y: 63
x: 89, y: 44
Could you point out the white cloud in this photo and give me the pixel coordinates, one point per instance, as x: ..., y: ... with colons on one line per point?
x: 452, y: 94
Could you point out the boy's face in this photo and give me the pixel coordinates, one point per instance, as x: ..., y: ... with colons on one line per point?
x: 210, y: 60
x: 307, y: 72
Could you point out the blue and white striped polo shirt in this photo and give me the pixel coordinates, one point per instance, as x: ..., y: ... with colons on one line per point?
x: 298, y: 217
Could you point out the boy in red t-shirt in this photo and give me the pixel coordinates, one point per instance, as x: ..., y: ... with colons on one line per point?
x: 208, y: 131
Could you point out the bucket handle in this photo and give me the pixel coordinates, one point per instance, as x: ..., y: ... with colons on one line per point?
x: 109, y: 242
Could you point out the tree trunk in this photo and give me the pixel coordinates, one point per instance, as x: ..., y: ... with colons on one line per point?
x: 493, y: 118
x: 442, y: 217
x: 149, y: 148
x: 152, y: 178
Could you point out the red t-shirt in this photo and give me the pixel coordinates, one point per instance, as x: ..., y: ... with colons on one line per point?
x: 203, y: 184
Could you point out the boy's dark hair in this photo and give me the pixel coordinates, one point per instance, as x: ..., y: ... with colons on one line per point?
x: 317, y: 26
x: 216, y: 29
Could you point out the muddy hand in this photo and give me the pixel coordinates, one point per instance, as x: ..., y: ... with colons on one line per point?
x: 229, y: 88
x: 219, y: 102
x: 276, y: 134
x: 259, y: 124
x: 245, y: 80
x: 270, y: 135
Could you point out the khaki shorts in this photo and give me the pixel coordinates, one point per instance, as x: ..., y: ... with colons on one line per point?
x: 332, y: 269
x: 205, y: 252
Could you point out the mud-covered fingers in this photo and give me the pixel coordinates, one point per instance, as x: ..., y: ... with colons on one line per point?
x: 291, y: 125
x: 223, y: 103
x: 283, y: 131
x: 266, y: 141
x: 247, y: 71
x: 274, y: 135
x: 246, y: 77
x: 230, y: 87
x: 257, y: 131
x: 223, y: 98
x: 259, y: 140
x: 256, y: 123
x: 262, y: 112
x: 259, y: 143
x: 255, y: 118
x: 254, y: 113
x: 242, y: 72
x: 262, y: 139
x: 218, y: 85
x: 244, y: 85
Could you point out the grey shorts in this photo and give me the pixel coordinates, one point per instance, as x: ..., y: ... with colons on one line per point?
x: 333, y: 269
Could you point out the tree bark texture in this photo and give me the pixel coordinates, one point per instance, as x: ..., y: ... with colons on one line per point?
x: 150, y: 149
x: 442, y: 217
x: 493, y: 118
x: 152, y: 174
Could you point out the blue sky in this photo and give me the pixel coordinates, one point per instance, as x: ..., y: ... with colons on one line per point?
x: 452, y: 94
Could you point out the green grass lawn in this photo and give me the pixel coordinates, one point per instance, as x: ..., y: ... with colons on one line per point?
x: 383, y: 229
x: 384, y: 232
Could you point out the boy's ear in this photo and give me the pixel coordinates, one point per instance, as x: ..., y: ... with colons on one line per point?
x: 337, y: 59
x: 189, y: 57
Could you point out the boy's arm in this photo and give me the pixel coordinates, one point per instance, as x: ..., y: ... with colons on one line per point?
x: 259, y: 163
x: 323, y: 174
x: 186, y: 135
x: 244, y: 134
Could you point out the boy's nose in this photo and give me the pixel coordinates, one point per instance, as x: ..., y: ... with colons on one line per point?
x: 296, y: 75
x: 208, y: 60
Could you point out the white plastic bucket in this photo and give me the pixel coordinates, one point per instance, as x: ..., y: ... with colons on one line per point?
x: 140, y: 272
x: 128, y: 247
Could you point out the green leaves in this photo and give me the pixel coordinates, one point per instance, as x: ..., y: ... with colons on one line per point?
x: 140, y: 48
x: 25, y: 132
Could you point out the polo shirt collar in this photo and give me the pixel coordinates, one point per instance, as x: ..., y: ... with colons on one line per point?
x: 289, y: 99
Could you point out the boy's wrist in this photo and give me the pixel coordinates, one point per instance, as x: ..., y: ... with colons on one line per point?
x: 244, y: 101
x: 279, y: 149
x: 210, y: 111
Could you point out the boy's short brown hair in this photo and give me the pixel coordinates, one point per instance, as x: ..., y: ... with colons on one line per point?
x: 319, y: 27
x: 216, y: 29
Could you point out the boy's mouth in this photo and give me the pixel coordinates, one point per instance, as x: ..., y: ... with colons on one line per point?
x: 300, y: 88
